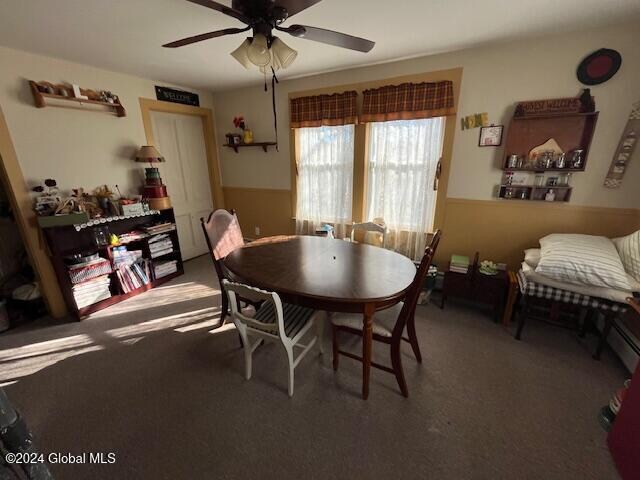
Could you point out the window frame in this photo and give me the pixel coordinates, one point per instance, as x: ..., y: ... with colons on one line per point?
x: 360, y: 163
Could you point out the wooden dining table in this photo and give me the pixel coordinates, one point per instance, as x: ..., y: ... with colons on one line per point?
x: 326, y: 274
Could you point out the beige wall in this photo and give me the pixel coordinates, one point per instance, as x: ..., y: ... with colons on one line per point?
x: 77, y: 148
x: 494, y: 78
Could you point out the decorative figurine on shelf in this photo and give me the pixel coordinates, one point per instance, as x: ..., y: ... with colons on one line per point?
x: 49, y: 200
x: 487, y: 267
x: 106, y: 96
x: 247, y: 134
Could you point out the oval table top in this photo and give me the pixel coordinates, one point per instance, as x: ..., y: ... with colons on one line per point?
x: 321, y: 271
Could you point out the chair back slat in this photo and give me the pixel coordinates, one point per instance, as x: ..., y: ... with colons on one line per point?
x: 413, y: 292
x: 272, y: 323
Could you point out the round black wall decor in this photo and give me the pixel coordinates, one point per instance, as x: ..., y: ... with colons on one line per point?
x: 599, y: 66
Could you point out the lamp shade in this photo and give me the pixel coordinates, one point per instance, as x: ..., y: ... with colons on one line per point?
x: 149, y: 154
x: 240, y: 54
x: 283, y: 55
x: 258, y: 52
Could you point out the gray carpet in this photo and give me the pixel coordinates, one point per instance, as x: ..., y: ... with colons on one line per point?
x: 148, y: 381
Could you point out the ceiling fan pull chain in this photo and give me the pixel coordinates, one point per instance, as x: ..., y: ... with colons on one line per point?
x: 274, y: 80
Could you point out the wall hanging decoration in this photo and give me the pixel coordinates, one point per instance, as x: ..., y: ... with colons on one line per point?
x: 599, y: 66
x: 490, y: 136
x: 626, y: 147
x: 263, y: 49
x: 476, y: 120
x: 172, y: 95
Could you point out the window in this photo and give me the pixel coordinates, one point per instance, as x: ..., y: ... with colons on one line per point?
x: 403, y: 159
x: 325, y: 177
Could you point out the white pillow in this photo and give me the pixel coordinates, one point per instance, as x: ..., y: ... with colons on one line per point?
x: 629, y: 251
x: 582, y: 260
x: 532, y: 257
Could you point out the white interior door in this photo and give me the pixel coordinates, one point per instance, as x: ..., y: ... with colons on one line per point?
x: 180, y: 139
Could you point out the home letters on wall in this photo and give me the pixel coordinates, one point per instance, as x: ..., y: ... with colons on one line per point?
x: 476, y: 120
x: 626, y: 147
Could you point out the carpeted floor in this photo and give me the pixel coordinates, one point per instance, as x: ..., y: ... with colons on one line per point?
x: 149, y: 381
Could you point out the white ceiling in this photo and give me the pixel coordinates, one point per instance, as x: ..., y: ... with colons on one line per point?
x: 126, y: 35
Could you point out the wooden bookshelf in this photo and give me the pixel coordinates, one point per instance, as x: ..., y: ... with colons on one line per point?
x: 64, y: 241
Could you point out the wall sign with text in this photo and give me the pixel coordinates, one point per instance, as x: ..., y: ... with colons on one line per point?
x: 167, y: 94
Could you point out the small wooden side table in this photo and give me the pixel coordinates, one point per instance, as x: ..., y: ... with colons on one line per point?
x: 478, y: 287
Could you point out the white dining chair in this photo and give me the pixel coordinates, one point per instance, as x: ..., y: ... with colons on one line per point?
x: 377, y: 227
x: 276, y: 322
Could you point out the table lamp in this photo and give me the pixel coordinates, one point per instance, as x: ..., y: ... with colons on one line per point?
x: 153, y: 189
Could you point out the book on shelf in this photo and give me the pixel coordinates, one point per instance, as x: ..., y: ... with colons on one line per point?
x: 459, y: 264
x: 164, y: 268
x: 91, y: 291
x: 159, y: 228
x: 160, y: 247
x: 133, y: 276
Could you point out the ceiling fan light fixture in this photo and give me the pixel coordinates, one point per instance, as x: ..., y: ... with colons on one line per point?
x: 241, y: 54
x: 258, y: 52
x: 283, y: 54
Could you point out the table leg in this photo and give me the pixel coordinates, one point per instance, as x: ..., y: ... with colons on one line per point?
x: 367, y: 340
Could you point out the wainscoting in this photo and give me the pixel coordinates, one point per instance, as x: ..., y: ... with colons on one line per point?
x: 499, y: 229
x: 268, y: 209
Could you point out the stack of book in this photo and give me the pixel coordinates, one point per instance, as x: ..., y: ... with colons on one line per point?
x: 159, y: 228
x: 160, y: 245
x: 459, y: 264
x: 122, y: 256
x: 134, y: 276
x: 92, y: 291
x: 162, y: 269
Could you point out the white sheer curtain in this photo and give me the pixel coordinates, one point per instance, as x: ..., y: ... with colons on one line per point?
x: 325, y: 178
x: 403, y: 159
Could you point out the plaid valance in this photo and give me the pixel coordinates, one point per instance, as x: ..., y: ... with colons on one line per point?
x: 408, y: 101
x: 318, y: 110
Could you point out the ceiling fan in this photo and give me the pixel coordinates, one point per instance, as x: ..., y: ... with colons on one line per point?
x: 265, y: 50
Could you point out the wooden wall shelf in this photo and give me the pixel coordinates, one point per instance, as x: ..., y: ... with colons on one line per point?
x: 264, y: 145
x: 43, y: 99
x: 535, y: 193
x: 572, y: 131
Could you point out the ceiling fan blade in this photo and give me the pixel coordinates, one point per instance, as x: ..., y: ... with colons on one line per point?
x: 329, y: 36
x: 296, y: 6
x: 204, y: 36
x: 223, y: 9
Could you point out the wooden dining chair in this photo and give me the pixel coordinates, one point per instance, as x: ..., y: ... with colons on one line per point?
x: 223, y: 234
x: 274, y: 321
x: 389, y: 325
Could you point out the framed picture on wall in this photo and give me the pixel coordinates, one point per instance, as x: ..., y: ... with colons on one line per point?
x: 490, y: 136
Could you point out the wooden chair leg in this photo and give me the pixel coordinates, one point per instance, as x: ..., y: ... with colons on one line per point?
x: 334, y: 336
x: 413, y: 339
x: 522, y: 317
x: 608, y: 323
x: 396, y: 362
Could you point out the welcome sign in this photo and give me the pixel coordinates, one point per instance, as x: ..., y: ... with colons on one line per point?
x: 167, y: 94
